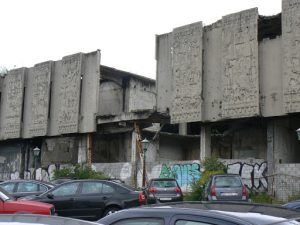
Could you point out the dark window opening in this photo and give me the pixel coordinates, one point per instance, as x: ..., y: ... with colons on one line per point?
x: 170, y: 128
x: 269, y: 27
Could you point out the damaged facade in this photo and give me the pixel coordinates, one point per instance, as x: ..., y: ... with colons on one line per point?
x: 230, y: 89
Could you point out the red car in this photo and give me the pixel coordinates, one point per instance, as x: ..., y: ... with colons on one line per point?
x: 8, y: 205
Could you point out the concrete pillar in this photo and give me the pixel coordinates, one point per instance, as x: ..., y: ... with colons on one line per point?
x: 270, y: 157
x: 205, y: 142
x: 183, y: 129
x: 134, y: 137
x: 82, y: 149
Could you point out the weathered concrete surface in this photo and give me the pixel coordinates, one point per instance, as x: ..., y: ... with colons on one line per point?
x: 164, y: 72
x: 89, y: 99
x: 11, y: 104
x: 291, y: 55
x: 240, y: 65
x: 141, y: 95
x: 270, y: 79
x: 37, y: 100
x: 75, y: 94
x: 187, y: 73
x: 212, y: 76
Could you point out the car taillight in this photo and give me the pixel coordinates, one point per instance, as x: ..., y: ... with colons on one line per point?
x: 213, y: 191
x: 244, y: 191
x: 178, y: 190
x: 152, y: 190
x: 142, y: 198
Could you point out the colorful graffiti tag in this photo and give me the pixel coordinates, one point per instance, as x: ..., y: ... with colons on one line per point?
x: 185, y: 174
x: 253, y: 174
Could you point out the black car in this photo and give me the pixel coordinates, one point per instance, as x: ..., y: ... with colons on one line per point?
x: 90, y: 199
x: 202, y: 214
x: 21, y: 188
x: 162, y: 190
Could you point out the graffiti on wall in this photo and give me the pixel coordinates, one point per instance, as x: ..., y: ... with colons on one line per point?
x: 185, y: 174
x: 253, y: 174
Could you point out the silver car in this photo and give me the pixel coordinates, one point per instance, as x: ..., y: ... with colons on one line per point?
x: 225, y: 187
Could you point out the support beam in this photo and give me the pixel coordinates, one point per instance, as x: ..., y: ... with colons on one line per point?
x: 205, y: 142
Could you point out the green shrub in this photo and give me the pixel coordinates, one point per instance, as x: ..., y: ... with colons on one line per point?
x: 293, y: 197
x: 260, y: 197
x: 79, y: 172
x: 212, y: 166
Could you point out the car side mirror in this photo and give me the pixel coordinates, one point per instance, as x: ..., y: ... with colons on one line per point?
x: 50, y: 195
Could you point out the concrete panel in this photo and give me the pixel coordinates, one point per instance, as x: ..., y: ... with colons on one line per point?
x: 141, y: 95
x: 37, y: 96
x: 66, y: 95
x: 164, y: 72
x: 90, y: 92
x: 111, y: 98
x: 187, y: 73
x: 270, y: 79
x: 291, y: 55
x: 212, y: 91
x: 12, y: 103
x: 240, y: 65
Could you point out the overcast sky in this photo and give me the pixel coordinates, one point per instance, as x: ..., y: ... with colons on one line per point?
x: 34, y: 31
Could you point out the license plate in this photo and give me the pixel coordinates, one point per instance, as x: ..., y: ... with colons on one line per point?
x: 229, y: 194
x: 165, y: 199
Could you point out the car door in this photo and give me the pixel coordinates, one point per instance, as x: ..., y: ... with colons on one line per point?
x: 25, y: 189
x: 62, y: 197
x: 90, y: 202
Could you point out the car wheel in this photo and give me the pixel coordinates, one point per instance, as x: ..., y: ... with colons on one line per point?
x: 110, y: 210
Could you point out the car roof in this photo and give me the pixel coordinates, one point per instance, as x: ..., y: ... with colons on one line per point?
x: 168, y: 211
x: 27, y: 219
x: 162, y: 179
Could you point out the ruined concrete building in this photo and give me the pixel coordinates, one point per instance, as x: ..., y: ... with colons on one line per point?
x: 230, y: 89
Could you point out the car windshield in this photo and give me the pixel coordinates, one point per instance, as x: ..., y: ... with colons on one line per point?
x: 228, y: 181
x: 164, y: 183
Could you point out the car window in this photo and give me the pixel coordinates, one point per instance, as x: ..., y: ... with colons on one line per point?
x: 164, y: 183
x: 27, y: 187
x: 107, y: 189
x: 187, y: 222
x: 91, y: 188
x: 228, y: 181
x: 43, y: 188
x: 8, y: 187
x: 140, y: 221
x: 66, y: 189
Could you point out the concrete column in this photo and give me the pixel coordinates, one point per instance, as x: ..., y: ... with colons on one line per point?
x: 133, y: 146
x: 183, y: 129
x: 82, y: 149
x: 270, y: 156
x: 205, y: 142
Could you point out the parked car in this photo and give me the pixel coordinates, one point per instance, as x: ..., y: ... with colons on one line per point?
x: 90, y: 199
x: 201, y: 213
x: 21, y: 188
x: 225, y: 187
x: 29, y: 219
x: 162, y: 190
x: 292, y: 205
x: 9, y: 205
x: 60, y: 180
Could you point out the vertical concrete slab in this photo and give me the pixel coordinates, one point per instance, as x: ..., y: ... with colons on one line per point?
x: 212, y: 76
x: 66, y: 95
x: 291, y: 55
x: 37, y: 96
x: 90, y: 92
x: 270, y: 77
x: 12, y: 104
x: 240, y: 65
x: 205, y: 142
x: 163, y: 72
x: 187, y: 73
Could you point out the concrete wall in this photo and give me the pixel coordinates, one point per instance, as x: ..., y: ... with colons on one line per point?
x: 59, y: 97
x: 141, y: 95
x: 242, y: 76
x: 111, y: 98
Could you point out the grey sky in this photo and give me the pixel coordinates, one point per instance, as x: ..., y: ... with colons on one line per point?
x: 34, y: 31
